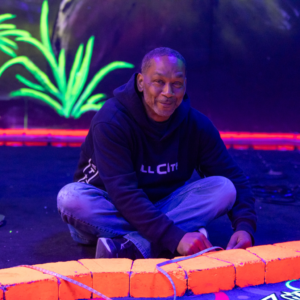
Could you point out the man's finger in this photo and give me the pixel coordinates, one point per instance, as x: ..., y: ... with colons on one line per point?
x: 232, y: 243
x: 243, y: 244
x: 200, y: 243
x: 239, y: 245
x: 207, y: 243
x: 193, y: 249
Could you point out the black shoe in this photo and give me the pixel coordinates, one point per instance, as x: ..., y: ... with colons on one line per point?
x: 117, y: 248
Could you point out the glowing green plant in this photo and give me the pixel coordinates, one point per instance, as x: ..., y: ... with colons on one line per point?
x: 75, y: 94
x: 7, y: 45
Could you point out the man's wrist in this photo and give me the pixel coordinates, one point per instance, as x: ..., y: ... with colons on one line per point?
x: 245, y: 226
x: 170, y: 240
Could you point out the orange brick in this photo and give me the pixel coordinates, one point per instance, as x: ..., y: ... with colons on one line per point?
x: 1, y: 287
x: 110, y: 276
x: 281, y: 264
x: 295, y: 245
x: 73, y: 270
x: 147, y: 282
x: 208, y: 275
x: 25, y: 283
x: 249, y: 269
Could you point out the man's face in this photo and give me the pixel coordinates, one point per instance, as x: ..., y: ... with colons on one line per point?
x: 163, y: 85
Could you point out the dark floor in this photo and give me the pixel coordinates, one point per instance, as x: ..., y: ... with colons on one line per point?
x: 34, y: 233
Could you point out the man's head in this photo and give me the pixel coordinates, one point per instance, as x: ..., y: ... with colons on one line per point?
x: 163, y: 82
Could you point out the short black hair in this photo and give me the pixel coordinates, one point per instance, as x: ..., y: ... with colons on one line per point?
x: 157, y: 52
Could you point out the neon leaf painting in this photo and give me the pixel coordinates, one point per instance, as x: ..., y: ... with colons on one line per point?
x: 68, y: 97
x: 6, y: 30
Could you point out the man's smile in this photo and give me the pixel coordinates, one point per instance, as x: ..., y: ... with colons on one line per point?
x: 166, y: 103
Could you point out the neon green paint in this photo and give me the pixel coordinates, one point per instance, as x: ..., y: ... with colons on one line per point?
x: 6, y: 17
x: 45, y: 28
x: 96, y: 98
x: 7, y: 26
x: 39, y: 75
x: 14, y: 32
x: 38, y: 95
x: 29, y: 83
x: 62, y: 71
x: 69, y: 97
x: 7, y: 50
x: 8, y: 42
x: 82, y: 74
x: 9, y: 30
x: 74, y: 71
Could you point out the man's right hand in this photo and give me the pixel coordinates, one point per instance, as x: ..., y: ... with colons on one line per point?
x: 193, y: 242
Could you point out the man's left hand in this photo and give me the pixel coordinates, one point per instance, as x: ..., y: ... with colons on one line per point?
x: 240, y: 240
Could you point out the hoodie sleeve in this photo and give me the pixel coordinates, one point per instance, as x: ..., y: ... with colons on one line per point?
x: 114, y: 163
x: 215, y: 160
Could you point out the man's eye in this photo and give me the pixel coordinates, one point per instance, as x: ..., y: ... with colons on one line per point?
x: 159, y: 81
x: 178, y: 84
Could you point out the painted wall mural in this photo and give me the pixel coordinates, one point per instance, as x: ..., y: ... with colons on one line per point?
x: 8, y: 30
x: 61, y: 60
x: 73, y: 94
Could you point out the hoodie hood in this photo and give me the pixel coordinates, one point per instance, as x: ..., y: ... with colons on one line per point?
x: 129, y: 96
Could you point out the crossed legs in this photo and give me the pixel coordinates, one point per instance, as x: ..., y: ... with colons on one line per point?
x: 90, y: 214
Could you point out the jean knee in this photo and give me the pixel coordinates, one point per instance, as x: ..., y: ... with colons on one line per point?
x: 68, y: 197
x: 228, y: 191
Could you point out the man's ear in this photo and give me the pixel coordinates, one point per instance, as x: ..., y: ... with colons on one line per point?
x: 140, y: 82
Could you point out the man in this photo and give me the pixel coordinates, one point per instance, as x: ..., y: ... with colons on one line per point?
x: 131, y: 195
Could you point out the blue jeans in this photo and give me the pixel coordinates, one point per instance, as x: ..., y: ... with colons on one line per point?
x: 90, y: 213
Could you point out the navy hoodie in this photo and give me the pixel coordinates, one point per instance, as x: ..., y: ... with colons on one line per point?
x: 139, y: 161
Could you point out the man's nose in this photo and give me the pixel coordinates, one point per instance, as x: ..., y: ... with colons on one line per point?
x: 167, y: 91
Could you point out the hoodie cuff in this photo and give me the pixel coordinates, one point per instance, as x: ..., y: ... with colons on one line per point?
x: 245, y: 226
x: 171, y: 238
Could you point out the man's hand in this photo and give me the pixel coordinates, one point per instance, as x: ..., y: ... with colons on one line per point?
x: 193, y: 242
x: 240, y: 240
